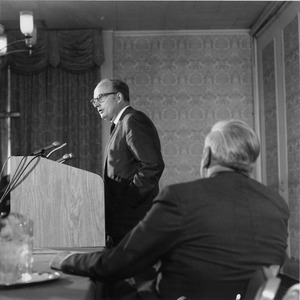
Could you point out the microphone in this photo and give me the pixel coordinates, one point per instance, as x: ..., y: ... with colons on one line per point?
x: 42, y: 150
x: 61, y: 146
x: 67, y: 156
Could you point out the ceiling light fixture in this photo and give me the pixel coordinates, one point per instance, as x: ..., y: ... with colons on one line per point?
x: 28, y: 30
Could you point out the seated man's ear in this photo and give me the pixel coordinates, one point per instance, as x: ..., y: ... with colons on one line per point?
x: 206, y: 157
x: 206, y: 161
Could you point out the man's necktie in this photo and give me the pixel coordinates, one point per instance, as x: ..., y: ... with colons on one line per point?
x: 112, y: 127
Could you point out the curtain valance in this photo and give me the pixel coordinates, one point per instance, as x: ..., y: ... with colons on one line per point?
x: 72, y: 50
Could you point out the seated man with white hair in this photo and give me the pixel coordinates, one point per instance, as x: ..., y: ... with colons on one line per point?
x: 210, y: 234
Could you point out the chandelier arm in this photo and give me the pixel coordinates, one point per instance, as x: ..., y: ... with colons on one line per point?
x: 14, y: 51
x: 12, y: 43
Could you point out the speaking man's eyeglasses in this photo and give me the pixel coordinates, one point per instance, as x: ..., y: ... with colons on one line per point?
x: 101, y: 98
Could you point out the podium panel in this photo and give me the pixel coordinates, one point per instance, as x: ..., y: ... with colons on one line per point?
x: 65, y: 203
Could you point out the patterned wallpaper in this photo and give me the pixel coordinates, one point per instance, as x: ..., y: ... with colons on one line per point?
x: 292, y: 79
x: 185, y: 83
x: 270, y: 116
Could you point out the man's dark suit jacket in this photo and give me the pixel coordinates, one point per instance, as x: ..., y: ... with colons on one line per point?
x: 133, y: 167
x: 210, y: 235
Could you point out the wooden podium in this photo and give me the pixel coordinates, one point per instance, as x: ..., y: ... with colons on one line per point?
x: 65, y: 203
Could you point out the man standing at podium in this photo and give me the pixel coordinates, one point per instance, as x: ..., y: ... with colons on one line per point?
x: 133, y: 162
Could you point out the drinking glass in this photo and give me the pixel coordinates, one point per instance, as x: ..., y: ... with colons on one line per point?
x: 16, y: 246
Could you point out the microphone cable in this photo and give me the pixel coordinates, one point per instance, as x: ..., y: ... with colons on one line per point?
x: 16, y: 177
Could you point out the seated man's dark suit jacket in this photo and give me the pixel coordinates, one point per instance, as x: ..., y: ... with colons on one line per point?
x: 133, y: 167
x: 210, y: 235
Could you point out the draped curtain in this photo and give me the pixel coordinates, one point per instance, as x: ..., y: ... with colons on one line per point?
x: 51, y: 89
x: 3, y: 124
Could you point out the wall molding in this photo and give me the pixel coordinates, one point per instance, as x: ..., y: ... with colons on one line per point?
x: 181, y: 32
x: 266, y: 19
x: 275, y: 33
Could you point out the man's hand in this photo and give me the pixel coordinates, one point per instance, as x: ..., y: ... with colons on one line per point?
x: 58, y: 259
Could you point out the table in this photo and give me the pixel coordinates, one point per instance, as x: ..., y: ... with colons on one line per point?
x: 66, y: 287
